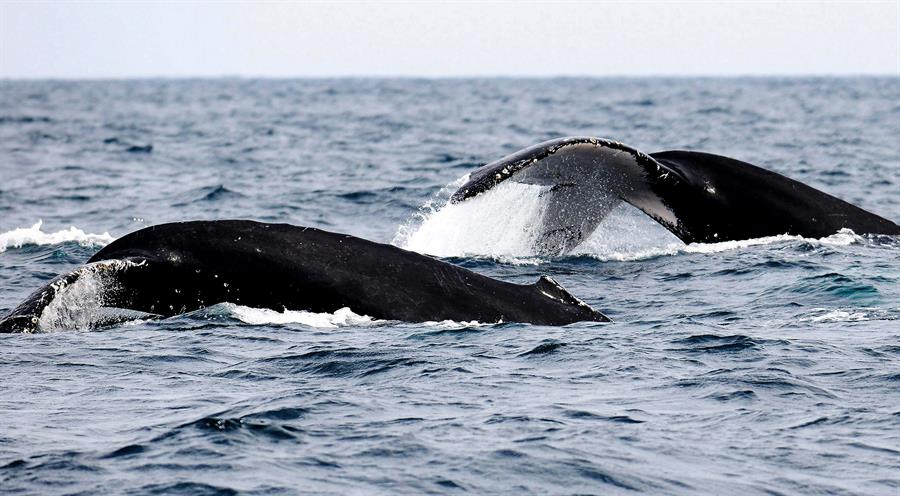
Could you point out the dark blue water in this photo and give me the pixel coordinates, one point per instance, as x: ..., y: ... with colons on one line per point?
x: 762, y: 367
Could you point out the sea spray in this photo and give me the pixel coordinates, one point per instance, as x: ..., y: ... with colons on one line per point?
x: 79, y: 303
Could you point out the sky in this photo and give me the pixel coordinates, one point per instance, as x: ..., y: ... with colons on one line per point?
x: 91, y: 39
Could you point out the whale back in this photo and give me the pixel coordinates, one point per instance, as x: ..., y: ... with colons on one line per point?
x: 282, y: 266
x: 171, y: 269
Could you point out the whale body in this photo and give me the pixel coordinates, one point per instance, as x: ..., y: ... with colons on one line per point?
x: 171, y: 269
x: 699, y: 197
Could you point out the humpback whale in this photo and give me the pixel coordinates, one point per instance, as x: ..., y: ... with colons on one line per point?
x: 699, y: 197
x: 170, y: 269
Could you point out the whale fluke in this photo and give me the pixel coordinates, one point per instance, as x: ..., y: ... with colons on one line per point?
x: 700, y: 197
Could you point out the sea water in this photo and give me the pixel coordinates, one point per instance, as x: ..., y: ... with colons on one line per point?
x: 767, y: 366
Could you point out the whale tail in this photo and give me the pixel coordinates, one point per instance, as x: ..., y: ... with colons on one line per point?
x: 700, y: 197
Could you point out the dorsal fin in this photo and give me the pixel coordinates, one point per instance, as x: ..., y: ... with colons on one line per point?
x: 553, y: 289
x: 549, y: 288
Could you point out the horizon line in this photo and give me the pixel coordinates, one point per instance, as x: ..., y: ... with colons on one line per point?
x: 798, y: 75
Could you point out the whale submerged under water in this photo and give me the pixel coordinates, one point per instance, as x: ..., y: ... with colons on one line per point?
x: 175, y: 268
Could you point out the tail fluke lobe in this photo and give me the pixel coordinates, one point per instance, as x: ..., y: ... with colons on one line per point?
x: 718, y: 198
x: 584, y: 179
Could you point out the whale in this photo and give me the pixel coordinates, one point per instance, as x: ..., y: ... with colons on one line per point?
x: 171, y: 269
x: 699, y: 197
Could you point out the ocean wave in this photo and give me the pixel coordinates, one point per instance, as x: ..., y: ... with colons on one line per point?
x: 24, y: 236
x: 838, y: 316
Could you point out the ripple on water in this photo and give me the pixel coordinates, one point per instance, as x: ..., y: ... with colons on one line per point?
x: 340, y: 362
x: 831, y: 285
x: 760, y: 366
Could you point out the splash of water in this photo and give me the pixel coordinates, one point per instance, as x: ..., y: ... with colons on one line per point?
x: 627, y: 234
x: 501, y: 223
x: 79, y: 303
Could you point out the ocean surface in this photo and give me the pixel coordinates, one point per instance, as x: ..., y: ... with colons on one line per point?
x: 768, y: 366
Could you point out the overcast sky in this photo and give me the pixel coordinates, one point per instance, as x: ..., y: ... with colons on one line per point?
x: 178, y: 39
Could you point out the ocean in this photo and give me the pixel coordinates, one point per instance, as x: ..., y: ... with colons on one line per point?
x: 765, y: 366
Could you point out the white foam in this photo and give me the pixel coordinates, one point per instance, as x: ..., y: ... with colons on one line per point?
x: 341, y: 318
x: 627, y: 234
x: 453, y: 324
x: 33, y: 235
x: 603, y: 252
x: 850, y: 314
x: 843, y: 237
x: 838, y: 316
x: 345, y: 317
